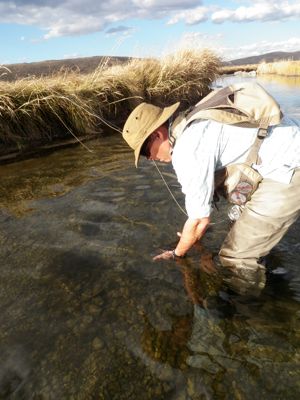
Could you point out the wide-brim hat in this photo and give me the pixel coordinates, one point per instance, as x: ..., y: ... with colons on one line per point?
x: 143, y: 121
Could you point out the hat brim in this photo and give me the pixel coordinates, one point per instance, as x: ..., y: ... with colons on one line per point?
x: 165, y: 115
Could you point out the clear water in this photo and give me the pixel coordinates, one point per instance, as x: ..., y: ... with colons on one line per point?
x: 86, y: 314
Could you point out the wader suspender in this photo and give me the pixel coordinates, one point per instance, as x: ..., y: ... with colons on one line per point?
x: 253, y: 157
x: 214, y: 103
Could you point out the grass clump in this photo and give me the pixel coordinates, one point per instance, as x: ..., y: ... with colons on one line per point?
x: 185, y: 76
x: 41, y: 110
x: 285, y: 67
x: 67, y: 104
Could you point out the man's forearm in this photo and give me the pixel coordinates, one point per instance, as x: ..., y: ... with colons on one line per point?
x: 192, y: 231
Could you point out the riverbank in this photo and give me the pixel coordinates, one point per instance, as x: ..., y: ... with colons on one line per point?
x: 69, y: 105
x: 235, y: 69
x: 41, y: 114
x: 283, y: 67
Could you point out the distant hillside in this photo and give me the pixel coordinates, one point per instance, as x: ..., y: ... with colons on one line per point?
x: 268, y: 57
x: 85, y: 65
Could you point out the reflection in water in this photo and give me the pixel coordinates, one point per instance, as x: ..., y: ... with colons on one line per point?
x: 222, y: 335
x: 293, y: 82
x: 57, y: 174
x: 86, y: 314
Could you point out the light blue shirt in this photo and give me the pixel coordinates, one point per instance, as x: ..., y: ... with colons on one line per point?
x: 206, y: 146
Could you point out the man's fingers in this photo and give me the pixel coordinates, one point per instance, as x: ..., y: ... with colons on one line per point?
x: 167, y: 254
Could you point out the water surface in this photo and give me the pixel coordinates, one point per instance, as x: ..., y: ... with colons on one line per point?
x: 86, y: 314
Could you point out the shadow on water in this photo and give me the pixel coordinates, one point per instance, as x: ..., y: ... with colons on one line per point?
x: 86, y: 314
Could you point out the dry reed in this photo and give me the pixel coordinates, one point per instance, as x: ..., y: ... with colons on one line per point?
x: 285, y: 67
x: 231, y: 69
x: 44, y: 109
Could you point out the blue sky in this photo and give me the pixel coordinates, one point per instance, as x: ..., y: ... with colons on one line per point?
x: 34, y: 30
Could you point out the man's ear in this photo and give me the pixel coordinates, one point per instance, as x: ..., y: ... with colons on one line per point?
x: 162, y: 132
x: 159, y: 134
x: 156, y: 134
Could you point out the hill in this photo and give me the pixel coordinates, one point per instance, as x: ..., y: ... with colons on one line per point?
x: 268, y: 57
x: 84, y: 65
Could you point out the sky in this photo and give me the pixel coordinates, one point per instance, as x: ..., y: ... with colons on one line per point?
x: 36, y: 30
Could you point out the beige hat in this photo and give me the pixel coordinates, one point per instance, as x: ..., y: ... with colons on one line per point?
x: 143, y: 121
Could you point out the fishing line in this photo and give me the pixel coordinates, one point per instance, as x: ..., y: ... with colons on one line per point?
x: 111, y: 125
x: 173, y: 197
x: 170, y: 191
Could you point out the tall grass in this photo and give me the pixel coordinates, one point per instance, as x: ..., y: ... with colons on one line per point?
x: 40, y: 110
x: 285, y: 67
x: 231, y: 69
x: 70, y: 104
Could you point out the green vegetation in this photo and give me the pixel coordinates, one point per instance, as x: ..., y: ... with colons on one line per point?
x: 68, y: 104
x: 284, y: 67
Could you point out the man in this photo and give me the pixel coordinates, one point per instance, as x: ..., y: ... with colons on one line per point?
x: 206, y: 146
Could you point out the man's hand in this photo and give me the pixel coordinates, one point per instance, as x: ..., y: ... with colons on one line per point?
x: 165, y: 255
x: 192, y: 231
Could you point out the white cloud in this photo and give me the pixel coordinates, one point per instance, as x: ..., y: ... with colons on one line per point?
x: 262, y: 47
x: 87, y: 25
x: 199, y: 40
x: 260, y: 11
x: 191, y: 17
x: 77, y: 17
x: 167, y: 4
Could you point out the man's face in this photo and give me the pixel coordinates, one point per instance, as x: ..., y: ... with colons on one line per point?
x: 157, y: 146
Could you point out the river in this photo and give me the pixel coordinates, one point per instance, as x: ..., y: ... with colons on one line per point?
x: 86, y: 313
